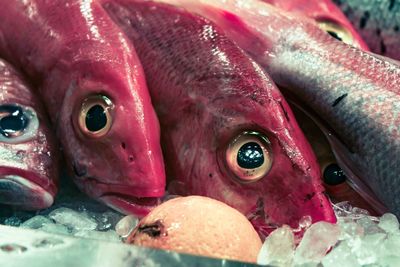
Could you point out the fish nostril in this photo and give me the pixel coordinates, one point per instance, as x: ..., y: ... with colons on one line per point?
x: 130, y: 158
x: 79, y: 169
x: 123, y: 145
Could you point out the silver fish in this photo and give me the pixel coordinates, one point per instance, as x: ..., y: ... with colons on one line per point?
x: 377, y: 21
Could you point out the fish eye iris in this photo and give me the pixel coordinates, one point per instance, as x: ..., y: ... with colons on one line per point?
x: 250, y: 156
x: 334, y: 175
x: 334, y: 35
x: 336, y: 30
x: 13, y: 121
x: 96, y: 118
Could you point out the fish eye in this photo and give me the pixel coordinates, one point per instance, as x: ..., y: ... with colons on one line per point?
x: 95, y: 118
x: 249, y: 156
x: 336, y: 31
x: 17, y: 123
x: 333, y: 174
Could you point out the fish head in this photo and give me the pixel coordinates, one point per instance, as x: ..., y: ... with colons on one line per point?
x: 247, y: 151
x: 328, y: 17
x: 29, y: 156
x: 110, y: 134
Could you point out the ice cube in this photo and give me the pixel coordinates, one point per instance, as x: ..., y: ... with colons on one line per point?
x: 342, y: 209
x: 98, y: 235
x: 125, y: 226
x: 55, y: 229
x: 12, y: 221
x: 278, y: 248
x: 391, y: 246
x: 341, y: 256
x: 370, y: 248
x: 317, y: 240
x: 389, y: 223
x: 74, y: 220
x: 370, y: 226
x: 350, y: 230
x: 390, y: 261
x: 36, y: 222
x: 107, y: 220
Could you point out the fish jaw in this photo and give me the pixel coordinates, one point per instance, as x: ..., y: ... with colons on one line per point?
x: 205, y: 119
x: 25, y: 190
x: 140, y: 207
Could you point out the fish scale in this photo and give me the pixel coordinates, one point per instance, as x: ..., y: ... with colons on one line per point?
x: 206, y: 91
x: 378, y: 22
x: 318, y: 71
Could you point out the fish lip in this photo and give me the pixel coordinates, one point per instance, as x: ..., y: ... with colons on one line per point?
x: 36, y: 179
x: 46, y: 196
x: 127, y: 199
x: 119, y: 189
x: 138, y: 206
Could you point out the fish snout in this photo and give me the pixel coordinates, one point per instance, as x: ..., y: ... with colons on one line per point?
x: 141, y: 169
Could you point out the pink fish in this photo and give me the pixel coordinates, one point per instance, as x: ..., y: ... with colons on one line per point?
x: 327, y: 15
x: 28, y: 151
x: 353, y: 95
x: 93, y: 87
x: 227, y: 132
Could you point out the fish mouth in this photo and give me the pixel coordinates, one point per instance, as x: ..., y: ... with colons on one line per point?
x: 22, y: 192
x: 125, y: 198
x: 127, y: 204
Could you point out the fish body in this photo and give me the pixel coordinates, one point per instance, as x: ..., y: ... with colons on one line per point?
x: 28, y: 149
x: 327, y: 15
x: 93, y: 86
x: 377, y: 21
x: 354, y: 96
x: 220, y: 113
x: 337, y: 186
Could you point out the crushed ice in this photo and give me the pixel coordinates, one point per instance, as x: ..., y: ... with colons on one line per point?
x: 72, y: 214
x: 358, y: 239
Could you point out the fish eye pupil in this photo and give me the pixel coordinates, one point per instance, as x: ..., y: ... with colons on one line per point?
x: 14, y: 122
x: 334, y: 175
x: 250, y: 156
x: 96, y: 118
x: 334, y: 35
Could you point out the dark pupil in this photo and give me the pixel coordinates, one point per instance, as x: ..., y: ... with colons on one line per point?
x: 333, y: 175
x: 96, y: 118
x: 334, y: 35
x: 14, y: 123
x: 250, y: 156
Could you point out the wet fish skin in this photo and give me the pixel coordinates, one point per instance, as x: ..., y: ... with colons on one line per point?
x: 72, y: 50
x: 322, y: 11
x: 378, y: 22
x: 206, y: 91
x: 29, y: 160
x: 354, y: 94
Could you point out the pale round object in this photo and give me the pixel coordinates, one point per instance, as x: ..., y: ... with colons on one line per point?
x: 201, y: 226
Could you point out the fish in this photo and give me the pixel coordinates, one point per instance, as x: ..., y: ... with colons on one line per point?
x: 92, y: 84
x: 328, y: 17
x: 29, y: 161
x: 337, y: 186
x: 378, y: 22
x: 226, y: 131
x: 354, y: 96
